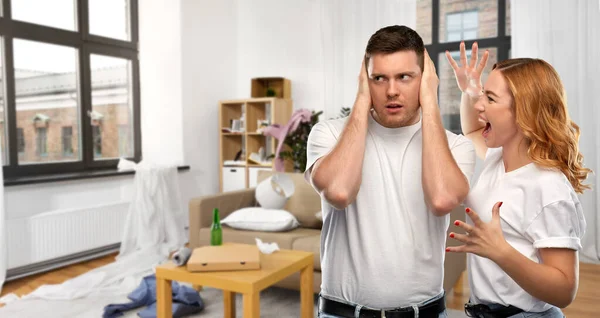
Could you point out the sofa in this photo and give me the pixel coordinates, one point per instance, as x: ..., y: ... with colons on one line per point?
x: 304, y: 204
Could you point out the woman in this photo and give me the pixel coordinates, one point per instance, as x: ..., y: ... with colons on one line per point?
x: 523, y: 257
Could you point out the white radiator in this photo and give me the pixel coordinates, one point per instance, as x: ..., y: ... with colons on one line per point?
x: 56, y: 234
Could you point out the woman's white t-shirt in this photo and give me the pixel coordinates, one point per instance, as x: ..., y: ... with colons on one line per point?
x: 540, y: 210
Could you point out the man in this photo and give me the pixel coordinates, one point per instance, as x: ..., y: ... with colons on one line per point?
x: 388, y: 174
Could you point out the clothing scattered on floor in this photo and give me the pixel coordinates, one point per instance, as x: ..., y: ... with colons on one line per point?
x: 186, y: 300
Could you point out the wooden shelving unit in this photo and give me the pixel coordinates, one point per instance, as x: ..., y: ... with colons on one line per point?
x: 236, y: 174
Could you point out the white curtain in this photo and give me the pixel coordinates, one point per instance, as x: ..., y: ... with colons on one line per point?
x: 346, y: 26
x: 566, y: 34
x: 3, y: 245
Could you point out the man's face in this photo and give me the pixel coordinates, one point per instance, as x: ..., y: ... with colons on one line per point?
x: 394, y: 83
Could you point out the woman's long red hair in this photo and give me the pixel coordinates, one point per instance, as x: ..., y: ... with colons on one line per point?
x: 540, y: 105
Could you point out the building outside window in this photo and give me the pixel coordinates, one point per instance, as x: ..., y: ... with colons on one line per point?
x: 443, y: 24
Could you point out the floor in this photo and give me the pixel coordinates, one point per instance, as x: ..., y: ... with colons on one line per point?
x: 586, y: 304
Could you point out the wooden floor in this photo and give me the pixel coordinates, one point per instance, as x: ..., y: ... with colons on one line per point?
x: 28, y: 284
x: 586, y: 304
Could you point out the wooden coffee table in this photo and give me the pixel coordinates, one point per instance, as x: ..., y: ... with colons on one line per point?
x: 274, y: 267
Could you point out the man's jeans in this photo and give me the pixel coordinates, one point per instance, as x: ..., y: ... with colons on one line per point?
x: 443, y: 314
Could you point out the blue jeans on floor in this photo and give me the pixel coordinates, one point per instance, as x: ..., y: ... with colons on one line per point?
x: 443, y: 314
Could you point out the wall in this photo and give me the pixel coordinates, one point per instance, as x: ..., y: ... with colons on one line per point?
x: 209, y: 54
x: 161, y: 81
x: 282, y: 38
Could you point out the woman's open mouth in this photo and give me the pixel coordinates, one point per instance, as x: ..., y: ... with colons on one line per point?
x: 486, y: 130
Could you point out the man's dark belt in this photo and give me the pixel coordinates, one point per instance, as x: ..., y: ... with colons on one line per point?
x: 332, y: 307
x: 484, y: 311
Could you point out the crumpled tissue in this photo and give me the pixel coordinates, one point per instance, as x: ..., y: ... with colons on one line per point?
x: 266, y: 248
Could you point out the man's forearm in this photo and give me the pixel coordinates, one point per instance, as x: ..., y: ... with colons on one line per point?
x: 469, y: 117
x: 544, y: 282
x: 338, y: 174
x: 444, y: 184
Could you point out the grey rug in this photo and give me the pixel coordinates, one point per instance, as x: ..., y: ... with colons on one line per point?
x: 274, y: 302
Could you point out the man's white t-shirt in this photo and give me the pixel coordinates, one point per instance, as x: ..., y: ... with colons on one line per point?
x: 386, y: 249
x: 540, y: 209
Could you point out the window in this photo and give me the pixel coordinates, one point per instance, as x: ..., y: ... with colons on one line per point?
x: 124, y: 141
x: 70, y: 84
x: 20, y: 141
x: 97, y: 137
x: 67, y: 140
x: 41, y: 142
x: 462, y: 26
x: 443, y: 24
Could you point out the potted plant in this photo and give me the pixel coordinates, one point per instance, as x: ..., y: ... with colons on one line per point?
x: 294, y: 135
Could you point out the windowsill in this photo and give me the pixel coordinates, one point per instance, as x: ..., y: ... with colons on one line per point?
x: 72, y: 176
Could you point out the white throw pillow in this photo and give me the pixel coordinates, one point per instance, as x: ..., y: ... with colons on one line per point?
x: 261, y: 219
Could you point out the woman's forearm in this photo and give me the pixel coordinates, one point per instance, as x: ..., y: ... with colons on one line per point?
x: 542, y: 281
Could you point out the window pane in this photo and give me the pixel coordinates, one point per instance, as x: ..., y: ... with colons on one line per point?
x: 54, y: 13
x: 67, y: 141
x: 455, y: 22
x: 424, y: 20
x: 110, y: 18
x: 468, y: 35
x: 47, y: 99
x: 112, y: 107
x: 450, y: 94
x: 507, y: 17
x: 482, y: 14
x: 454, y: 36
x: 470, y: 20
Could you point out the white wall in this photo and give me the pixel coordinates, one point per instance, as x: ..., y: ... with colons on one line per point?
x: 209, y: 57
x: 282, y: 38
x: 161, y: 81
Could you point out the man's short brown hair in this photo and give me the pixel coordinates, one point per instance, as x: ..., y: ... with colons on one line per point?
x: 395, y: 38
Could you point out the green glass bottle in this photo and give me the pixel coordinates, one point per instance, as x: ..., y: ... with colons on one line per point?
x: 216, y: 233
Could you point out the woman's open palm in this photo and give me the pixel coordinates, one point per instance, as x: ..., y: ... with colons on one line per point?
x: 468, y: 75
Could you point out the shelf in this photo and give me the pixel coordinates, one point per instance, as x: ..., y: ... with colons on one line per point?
x: 229, y: 112
x: 234, y: 166
x: 280, y: 85
x: 257, y: 111
x: 231, y: 145
x: 253, y: 165
x: 232, y: 134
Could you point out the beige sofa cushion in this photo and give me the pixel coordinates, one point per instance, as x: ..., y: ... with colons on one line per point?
x: 310, y: 244
x: 304, y: 204
x: 283, y: 239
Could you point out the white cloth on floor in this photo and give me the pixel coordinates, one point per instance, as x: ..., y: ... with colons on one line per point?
x: 154, y: 227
